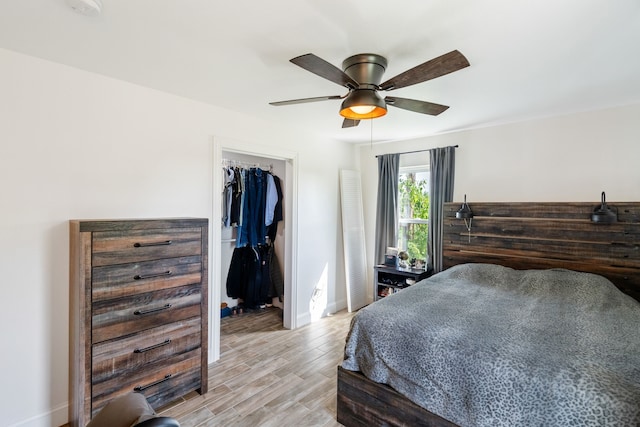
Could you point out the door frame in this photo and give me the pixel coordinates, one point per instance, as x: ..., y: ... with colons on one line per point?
x: 290, y: 208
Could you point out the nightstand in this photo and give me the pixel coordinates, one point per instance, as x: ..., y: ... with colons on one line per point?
x: 389, y: 280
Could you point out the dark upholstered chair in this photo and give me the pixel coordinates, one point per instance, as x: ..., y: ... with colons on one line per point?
x: 130, y: 410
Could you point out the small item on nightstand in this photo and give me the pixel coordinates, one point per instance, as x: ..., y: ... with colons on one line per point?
x: 403, y: 256
x: 391, y: 257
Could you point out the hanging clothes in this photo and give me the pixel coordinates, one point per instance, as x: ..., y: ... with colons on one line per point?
x: 227, y: 195
x: 243, y: 272
x: 276, y: 289
x: 252, y: 202
x: 245, y: 193
x: 272, y: 229
x: 238, y: 188
x: 252, y: 230
x: 271, y: 198
x: 250, y: 275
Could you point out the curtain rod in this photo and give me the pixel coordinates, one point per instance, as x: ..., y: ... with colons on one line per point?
x: 415, y: 151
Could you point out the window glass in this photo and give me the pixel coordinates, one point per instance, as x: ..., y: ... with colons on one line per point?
x: 413, y: 211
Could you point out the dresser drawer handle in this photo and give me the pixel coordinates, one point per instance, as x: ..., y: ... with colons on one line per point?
x: 152, y: 310
x: 144, y: 387
x: 149, y: 276
x: 142, y: 245
x: 151, y: 347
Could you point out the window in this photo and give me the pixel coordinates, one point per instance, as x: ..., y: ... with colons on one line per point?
x: 413, y: 210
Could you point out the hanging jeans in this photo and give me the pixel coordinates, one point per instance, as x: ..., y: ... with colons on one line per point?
x: 252, y: 230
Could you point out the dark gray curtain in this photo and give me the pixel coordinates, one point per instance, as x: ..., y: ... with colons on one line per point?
x: 442, y: 162
x: 387, y: 208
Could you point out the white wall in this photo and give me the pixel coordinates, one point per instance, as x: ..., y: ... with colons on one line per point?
x: 568, y: 158
x: 79, y: 145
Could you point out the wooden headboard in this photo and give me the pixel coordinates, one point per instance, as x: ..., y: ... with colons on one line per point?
x: 548, y: 235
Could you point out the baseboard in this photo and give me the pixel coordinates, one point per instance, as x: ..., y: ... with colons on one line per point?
x: 306, y: 318
x: 55, y: 417
x: 339, y: 306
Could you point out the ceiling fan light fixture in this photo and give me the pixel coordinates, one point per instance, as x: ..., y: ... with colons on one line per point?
x: 363, y: 109
x: 363, y: 104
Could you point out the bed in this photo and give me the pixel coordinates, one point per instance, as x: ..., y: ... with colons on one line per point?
x: 552, y: 339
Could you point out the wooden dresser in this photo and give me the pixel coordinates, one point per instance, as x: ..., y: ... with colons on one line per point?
x: 138, y: 311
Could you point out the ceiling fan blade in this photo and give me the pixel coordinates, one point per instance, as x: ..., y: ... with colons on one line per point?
x: 322, y: 68
x: 349, y: 123
x: 415, y: 105
x: 304, y: 100
x: 445, y: 64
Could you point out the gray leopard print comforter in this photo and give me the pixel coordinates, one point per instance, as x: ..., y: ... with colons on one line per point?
x: 486, y: 345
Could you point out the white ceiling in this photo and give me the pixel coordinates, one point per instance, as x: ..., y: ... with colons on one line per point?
x: 528, y: 58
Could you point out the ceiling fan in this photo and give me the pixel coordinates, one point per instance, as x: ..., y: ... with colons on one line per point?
x: 362, y: 73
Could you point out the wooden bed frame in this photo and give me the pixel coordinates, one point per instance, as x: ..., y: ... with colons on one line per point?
x: 521, y: 236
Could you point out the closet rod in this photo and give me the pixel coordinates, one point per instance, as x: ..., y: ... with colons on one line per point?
x: 415, y: 151
x: 234, y: 240
x: 228, y: 162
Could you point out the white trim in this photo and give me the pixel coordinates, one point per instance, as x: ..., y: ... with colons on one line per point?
x: 56, y: 416
x: 290, y: 320
x: 414, y: 169
x: 214, y: 252
x: 413, y: 221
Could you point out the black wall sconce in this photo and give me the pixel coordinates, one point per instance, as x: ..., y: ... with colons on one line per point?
x: 465, y: 213
x: 603, y: 214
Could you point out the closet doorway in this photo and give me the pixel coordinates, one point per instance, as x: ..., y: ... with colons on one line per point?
x: 223, y: 239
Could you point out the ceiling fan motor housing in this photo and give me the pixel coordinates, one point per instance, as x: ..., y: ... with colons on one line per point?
x: 365, y: 68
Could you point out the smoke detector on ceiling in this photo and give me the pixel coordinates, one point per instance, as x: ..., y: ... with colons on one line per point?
x: 86, y: 7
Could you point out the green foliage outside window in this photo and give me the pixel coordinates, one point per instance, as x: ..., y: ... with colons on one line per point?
x: 413, y: 203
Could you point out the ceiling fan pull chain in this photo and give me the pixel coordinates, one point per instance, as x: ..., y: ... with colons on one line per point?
x: 371, y: 134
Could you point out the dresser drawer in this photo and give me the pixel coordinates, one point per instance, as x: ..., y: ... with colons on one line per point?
x: 127, y: 315
x: 114, y: 281
x: 126, y: 356
x: 118, y: 247
x: 160, y: 382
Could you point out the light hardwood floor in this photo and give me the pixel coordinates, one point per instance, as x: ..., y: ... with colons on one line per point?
x: 269, y: 376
